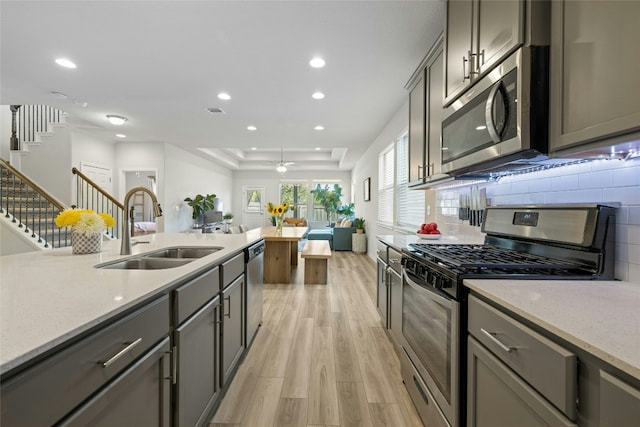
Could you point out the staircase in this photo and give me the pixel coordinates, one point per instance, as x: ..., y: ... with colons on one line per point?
x: 27, y: 206
x: 30, y: 208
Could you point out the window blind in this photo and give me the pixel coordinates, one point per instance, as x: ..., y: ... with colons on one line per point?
x: 410, y: 203
x: 385, y: 185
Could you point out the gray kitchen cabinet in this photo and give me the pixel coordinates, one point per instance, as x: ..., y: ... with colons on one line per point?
x: 593, y: 73
x: 197, y: 350
x: 478, y: 34
x: 196, y: 346
x: 425, y: 119
x: 140, y: 396
x: 232, y: 273
x: 496, y: 396
x: 394, y: 278
x: 382, y: 291
x: 516, y: 376
x: 232, y: 328
x: 417, y: 133
x: 619, y: 402
x: 94, y: 366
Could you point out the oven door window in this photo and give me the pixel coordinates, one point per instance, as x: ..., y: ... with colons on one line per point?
x: 427, y: 327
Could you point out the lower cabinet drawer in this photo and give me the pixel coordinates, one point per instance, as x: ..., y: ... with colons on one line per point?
x: 58, y: 384
x: 232, y: 269
x: 548, y: 367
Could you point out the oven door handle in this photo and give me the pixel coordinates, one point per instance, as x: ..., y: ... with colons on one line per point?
x: 439, y: 299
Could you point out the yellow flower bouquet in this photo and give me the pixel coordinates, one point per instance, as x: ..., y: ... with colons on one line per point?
x: 87, y: 227
x: 278, y: 212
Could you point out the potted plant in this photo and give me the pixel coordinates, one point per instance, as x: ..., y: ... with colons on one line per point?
x: 228, y: 217
x: 200, y: 204
x: 347, y: 210
x: 328, y: 198
x: 359, y: 224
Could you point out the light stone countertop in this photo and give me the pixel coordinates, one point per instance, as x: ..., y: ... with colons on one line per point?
x: 600, y: 317
x: 48, y: 297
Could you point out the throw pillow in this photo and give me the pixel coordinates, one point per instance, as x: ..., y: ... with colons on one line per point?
x: 347, y: 223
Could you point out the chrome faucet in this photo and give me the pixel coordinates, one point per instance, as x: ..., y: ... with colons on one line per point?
x: 125, y: 247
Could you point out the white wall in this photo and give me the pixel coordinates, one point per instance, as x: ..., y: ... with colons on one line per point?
x: 92, y: 149
x: 271, y: 180
x: 5, y: 131
x: 48, y: 164
x: 367, y: 167
x: 185, y: 176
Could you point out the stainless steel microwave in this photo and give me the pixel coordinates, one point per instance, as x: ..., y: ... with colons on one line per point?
x: 501, y: 122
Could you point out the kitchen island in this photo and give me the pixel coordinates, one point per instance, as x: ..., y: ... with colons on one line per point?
x: 48, y: 297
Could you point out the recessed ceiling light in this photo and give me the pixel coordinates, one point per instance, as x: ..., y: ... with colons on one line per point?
x: 319, y: 128
x: 224, y: 96
x: 116, y: 120
x: 317, y: 95
x: 63, y: 62
x: 481, y: 127
x: 121, y: 135
x: 317, y: 148
x: 317, y: 62
x: 253, y: 148
x: 251, y: 127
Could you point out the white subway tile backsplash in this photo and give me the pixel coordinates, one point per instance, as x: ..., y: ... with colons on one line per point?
x: 626, y: 176
x: 569, y: 182
x: 625, y: 195
x: 633, y: 215
x: 598, y: 179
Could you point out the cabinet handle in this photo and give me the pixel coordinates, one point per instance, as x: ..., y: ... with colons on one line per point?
x: 465, y: 76
x: 492, y: 337
x: 419, y: 168
x: 121, y: 353
x: 478, y: 64
x: 229, y: 314
x: 473, y: 69
x: 174, y: 365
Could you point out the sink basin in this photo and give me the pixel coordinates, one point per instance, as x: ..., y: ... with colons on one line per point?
x: 145, y: 264
x: 183, y: 252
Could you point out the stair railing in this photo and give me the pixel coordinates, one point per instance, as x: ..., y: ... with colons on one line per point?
x: 29, y: 206
x: 35, y: 118
x: 90, y: 195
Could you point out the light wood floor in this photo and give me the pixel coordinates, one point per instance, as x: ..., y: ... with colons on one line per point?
x: 321, y: 357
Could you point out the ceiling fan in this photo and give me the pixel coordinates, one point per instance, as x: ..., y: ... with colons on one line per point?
x: 282, y: 166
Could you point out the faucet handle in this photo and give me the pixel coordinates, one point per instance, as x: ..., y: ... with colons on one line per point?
x: 157, y: 211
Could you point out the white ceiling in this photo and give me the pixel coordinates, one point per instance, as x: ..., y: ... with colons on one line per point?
x: 162, y: 63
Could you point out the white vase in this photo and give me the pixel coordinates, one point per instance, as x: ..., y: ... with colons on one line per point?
x: 86, y: 243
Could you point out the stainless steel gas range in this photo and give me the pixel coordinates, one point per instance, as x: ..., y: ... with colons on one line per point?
x: 556, y: 242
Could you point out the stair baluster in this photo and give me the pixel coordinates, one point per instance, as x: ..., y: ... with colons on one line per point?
x: 90, y: 195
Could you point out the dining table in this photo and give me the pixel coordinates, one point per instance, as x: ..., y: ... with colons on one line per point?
x: 281, y: 252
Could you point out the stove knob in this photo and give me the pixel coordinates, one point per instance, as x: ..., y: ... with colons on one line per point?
x: 445, y: 282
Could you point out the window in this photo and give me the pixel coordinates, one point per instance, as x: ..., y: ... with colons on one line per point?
x: 410, y: 203
x: 385, y: 185
x: 296, y: 195
x: 398, y: 206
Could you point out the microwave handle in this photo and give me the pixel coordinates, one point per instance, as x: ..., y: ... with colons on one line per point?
x: 488, y: 112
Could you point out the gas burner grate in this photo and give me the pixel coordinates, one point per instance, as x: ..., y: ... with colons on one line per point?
x: 481, y: 257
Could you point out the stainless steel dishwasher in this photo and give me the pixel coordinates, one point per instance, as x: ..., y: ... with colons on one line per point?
x: 254, y: 257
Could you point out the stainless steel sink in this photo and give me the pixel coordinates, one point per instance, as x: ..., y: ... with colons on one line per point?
x: 145, y: 264
x: 183, y: 252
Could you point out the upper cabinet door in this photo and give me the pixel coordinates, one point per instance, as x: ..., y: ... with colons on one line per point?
x: 457, y: 45
x: 434, y: 107
x: 595, y: 68
x: 417, y: 132
x: 499, y: 31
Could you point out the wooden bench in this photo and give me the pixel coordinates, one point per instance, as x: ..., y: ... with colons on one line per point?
x: 316, y: 254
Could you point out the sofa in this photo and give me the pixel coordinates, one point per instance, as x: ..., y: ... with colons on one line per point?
x: 339, y: 236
